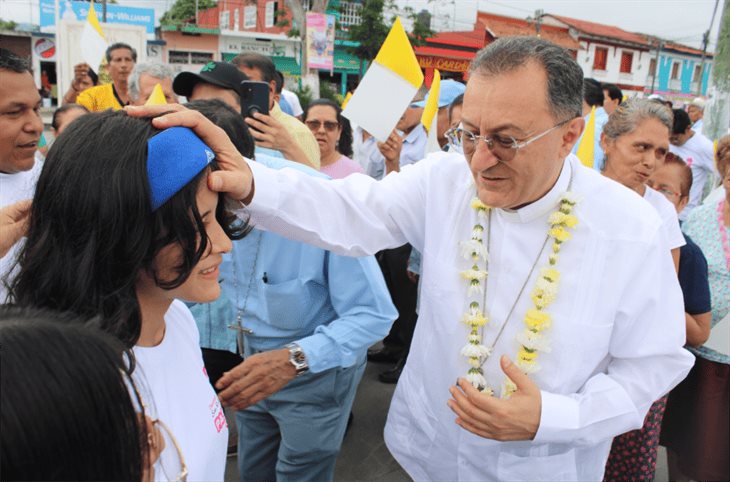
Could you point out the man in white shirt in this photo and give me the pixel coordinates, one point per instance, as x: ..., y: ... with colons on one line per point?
x: 20, y: 132
x: 617, y: 317
x: 696, y: 112
x: 697, y: 151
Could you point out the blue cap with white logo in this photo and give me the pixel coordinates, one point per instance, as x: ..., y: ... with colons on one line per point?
x: 174, y: 157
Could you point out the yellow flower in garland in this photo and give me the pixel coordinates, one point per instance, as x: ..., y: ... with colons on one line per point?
x: 478, y: 205
x: 526, y: 355
x: 475, y: 319
x: 560, y: 218
x: 550, y: 274
x: 537, y: 320
x: 560, y: 234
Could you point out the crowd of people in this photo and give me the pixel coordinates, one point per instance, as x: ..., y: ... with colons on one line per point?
x: 204, y: 282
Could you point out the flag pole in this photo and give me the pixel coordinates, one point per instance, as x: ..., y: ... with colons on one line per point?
x: 60, y: 85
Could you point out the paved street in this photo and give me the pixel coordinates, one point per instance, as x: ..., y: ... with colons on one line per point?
x: 364, y: 457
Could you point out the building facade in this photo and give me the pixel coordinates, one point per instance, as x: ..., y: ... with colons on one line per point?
x: 676, y: 72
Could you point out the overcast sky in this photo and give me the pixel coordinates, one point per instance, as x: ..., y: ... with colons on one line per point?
x: 680, y: 20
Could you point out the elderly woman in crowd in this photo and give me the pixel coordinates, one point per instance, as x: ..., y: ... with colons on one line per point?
x: 635, y: 141
x: 697, y: 429
x: 334, y: 137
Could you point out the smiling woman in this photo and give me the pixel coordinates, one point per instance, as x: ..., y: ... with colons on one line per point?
x: 123, y: 225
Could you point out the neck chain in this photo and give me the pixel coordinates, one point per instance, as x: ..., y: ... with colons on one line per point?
x: 240, y: 310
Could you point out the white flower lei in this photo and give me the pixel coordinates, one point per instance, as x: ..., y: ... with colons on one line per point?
x: 532, y: 339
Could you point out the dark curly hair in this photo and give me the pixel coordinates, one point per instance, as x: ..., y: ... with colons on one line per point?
x: 92, y: 230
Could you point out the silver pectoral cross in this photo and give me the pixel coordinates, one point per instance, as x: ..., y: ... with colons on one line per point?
x: 240, y: 330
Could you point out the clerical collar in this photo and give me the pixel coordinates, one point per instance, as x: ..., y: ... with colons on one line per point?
x: 545, y: 204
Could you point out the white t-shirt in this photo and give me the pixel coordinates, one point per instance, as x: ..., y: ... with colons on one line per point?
x: 698, y: 153
x: 13, y: 188
x: 184, y: 399
x: 670, y: 221
x: 293, y: 100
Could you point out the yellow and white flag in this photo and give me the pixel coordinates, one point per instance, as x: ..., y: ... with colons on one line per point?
x: 93, y: 42
x: 586, y: 144
x: 430, y: 115
x: 388, y: 86
x: 157, y: 97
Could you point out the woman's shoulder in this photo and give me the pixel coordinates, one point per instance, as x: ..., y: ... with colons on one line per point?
x: 180, y: 319
x: 700, y: 221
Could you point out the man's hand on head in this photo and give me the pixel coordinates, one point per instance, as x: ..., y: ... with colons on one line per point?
x: 234, y: 178
x: 516, y: 418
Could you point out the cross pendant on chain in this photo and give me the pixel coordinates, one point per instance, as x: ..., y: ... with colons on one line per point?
x: 240, y: 330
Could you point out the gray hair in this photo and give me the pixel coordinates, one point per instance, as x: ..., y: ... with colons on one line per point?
x: 631, y: 113
x: 564, y: 75
x: 159, y: 71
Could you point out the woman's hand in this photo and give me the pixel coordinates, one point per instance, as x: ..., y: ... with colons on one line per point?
x: 235, y: 177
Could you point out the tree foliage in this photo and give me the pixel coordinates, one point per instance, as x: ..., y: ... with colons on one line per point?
x: 184, y: 10
x: 7, y: 24
x: 374, y: 27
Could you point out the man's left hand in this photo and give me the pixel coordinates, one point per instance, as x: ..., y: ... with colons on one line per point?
x: 516, y: 418
x: 258, y: 377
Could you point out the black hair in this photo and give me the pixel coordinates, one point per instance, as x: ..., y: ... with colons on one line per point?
x: 279, y: 78
x: 260, y: 62
x: 120, y: 45
x: 458, y: 100
x: 592, y: 92
x: 12, y: 62
x: 92, y: 75
x: 344, y: 144
x: 65, y: 108
x: 681, y: 121
x: 92, y: 229
x: 613, y: 91
x: 67, y: 412
x: 225, y: 117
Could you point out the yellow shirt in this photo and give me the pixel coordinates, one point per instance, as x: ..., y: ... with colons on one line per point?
x: 99, y: 98
x: 300, y: 132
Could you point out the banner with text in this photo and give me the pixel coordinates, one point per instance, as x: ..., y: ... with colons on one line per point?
x: 69, y: 10
x: 320, y: 41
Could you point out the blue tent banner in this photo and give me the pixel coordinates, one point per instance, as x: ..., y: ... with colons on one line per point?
x: 144, y: 17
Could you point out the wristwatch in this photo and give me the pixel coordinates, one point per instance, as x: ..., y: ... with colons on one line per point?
x: 297, y: 358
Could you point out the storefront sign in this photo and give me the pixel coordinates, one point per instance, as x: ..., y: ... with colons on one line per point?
x: 269, y: 49
x: 320, y: 41
x: 44, y: 48
x: 443, y: 63
x: 78, y: 11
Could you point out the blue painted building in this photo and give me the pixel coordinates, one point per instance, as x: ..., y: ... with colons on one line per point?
x: 679, y: 72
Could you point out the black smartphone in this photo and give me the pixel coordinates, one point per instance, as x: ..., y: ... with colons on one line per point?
x: 254, y: 98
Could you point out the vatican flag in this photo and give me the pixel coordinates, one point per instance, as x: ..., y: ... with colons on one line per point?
x: 93, y: 43
x: 157, y: 97
x: 586, y: 145
x: 429, y: 118
x: 388, y: 86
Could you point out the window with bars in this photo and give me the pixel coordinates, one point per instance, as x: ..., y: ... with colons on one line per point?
x: 350, y: 13
x: 652, y: 67
x: 675, y: 71
x: 225, y: 20
x: 599, y: 59
x: 697, y: 73
x: 186, y: 57
x: 627, y: 59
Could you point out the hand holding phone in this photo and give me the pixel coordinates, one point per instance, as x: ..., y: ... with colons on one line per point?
x: 254, y: 98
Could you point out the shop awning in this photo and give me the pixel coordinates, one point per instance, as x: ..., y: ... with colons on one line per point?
x: 346, y: 62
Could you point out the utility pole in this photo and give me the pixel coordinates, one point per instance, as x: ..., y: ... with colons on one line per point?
x: 103, y: 10
x: 196, y: 13
x: 705, y: 41
x: 717, y: 112
x: 539, y: 13
x: 659, y: 46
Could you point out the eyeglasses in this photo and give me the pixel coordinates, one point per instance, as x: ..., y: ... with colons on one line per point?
x: 171, y: 462
x: 503, y: 148
x: 329, y: 126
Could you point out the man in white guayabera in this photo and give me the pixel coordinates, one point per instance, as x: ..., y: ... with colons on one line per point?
x: 547, y: 289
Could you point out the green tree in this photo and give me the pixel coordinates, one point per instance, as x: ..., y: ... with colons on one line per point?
x: 7, y: 24
x: 374, y: 27
x: 183, y: 10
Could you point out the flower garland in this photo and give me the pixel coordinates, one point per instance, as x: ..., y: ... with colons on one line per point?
x: 532, y: 340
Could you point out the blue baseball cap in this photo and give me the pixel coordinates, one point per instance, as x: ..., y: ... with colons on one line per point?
x: 174, y: 157
x: 448, y: 91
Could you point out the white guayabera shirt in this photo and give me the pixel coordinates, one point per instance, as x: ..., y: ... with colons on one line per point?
x: 618, y: 321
